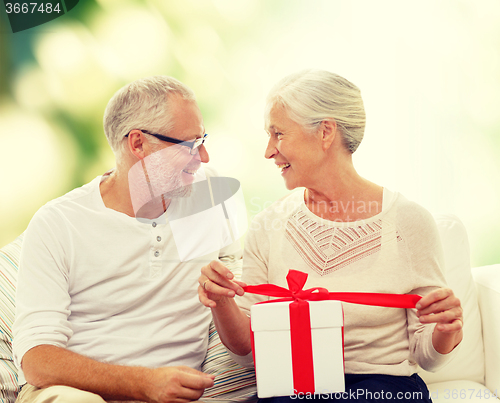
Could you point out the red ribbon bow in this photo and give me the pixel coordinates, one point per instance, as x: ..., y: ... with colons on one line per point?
x: 300, y: 321
x: 297, y: 279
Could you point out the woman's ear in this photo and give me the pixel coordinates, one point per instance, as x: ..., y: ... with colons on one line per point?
x: 136, y: 143
x: 328, y: 131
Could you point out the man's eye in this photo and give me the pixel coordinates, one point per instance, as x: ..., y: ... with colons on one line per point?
x: 278, y: 134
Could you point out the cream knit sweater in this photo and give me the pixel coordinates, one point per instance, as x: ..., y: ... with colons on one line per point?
x: 395, y: 251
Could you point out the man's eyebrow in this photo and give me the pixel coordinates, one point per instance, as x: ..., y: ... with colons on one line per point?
x: 201, y: 135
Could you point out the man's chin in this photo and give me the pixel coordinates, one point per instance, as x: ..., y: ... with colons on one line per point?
x: 187, y: 178
x: 182, y: 191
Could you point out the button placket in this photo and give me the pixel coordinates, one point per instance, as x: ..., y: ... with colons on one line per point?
x: 155, y: 265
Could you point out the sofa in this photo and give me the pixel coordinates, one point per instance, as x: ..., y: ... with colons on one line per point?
x: 472, y: 375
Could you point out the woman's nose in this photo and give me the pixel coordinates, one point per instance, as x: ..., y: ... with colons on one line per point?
x: 271, y: 149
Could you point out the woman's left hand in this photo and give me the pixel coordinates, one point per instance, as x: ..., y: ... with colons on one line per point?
x: 442, y: 307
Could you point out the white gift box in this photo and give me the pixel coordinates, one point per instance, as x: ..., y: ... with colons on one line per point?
x: 273, y: 348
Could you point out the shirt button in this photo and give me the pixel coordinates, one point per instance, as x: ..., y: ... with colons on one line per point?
x: 154, y: 225
x: 158, y: 238
x: 157, y: 253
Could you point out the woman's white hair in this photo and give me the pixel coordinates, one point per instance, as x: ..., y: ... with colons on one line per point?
x: 312, y: 96
x: 142, y: 105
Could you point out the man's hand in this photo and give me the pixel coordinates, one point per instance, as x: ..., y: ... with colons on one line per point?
x: 46, y: 366
x: 441, y: 306
x: 177, y: 384
x: 217, y: 283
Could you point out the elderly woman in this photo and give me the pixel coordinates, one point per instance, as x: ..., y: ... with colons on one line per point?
x: 348, y: 234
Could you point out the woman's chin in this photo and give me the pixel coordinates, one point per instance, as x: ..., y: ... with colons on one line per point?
x: 290, y: 185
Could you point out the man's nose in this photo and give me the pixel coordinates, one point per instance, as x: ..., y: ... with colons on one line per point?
x: 202, y: 154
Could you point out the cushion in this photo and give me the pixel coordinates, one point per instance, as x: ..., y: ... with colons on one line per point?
x: 9, y: 260
x: 233, y: 383
x: 487, y: 280
x: 468, y: 363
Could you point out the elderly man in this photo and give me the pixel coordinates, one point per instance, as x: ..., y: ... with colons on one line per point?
x: 107, y: 310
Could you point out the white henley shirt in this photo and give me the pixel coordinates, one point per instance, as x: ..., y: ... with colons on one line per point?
x: 110, y: 287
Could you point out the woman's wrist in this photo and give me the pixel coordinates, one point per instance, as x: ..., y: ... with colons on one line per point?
x: 445, y: 343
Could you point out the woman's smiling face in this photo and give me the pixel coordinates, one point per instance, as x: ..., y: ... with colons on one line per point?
x: 296, y: 152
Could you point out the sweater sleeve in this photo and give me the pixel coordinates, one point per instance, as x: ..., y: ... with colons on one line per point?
x: 255, y: 261
x: 426, y: 261
x: 421, y: 347
x: 42, y: 297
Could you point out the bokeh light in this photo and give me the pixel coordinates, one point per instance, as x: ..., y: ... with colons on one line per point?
x: 36, y: 159
x: 429, y: 73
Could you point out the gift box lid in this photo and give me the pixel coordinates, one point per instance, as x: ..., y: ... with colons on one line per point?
x: 276, y: 315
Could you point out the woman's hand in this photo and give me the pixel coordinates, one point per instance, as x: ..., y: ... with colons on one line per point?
x: 441, y: 306
x: 217, y: 283
x: 217, y: 290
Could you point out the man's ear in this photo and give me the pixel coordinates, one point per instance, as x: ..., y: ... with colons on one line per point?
x: 136, y: 143
x: 328, y: 131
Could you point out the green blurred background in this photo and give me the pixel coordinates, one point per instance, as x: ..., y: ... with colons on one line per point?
x: 429, y: 72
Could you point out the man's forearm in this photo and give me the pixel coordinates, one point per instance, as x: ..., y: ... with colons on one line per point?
x: 47, y: 365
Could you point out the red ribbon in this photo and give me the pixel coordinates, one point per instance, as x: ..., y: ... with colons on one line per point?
x: 300, y: 321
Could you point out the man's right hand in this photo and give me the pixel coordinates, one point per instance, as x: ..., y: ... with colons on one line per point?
x: 46, y: 366
x: 177, y: 384
x: 217, y: 283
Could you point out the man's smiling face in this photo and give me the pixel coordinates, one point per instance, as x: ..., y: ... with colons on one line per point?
x: 169, y: 170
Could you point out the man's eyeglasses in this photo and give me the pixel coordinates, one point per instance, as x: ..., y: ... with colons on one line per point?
x: 192, y: 145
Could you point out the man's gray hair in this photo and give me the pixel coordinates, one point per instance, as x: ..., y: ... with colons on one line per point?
x: 311, y: 96
x: 142, y: 104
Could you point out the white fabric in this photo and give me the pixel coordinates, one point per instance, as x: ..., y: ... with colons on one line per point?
x: 107, y: 286
x: 487, y: 280
x: 469, y: 360
x: 408, y: 260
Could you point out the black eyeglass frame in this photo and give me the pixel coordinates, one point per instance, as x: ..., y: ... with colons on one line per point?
x: 192, y: 145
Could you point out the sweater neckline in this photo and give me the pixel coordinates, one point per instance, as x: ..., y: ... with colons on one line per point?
x: 388, y: 199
